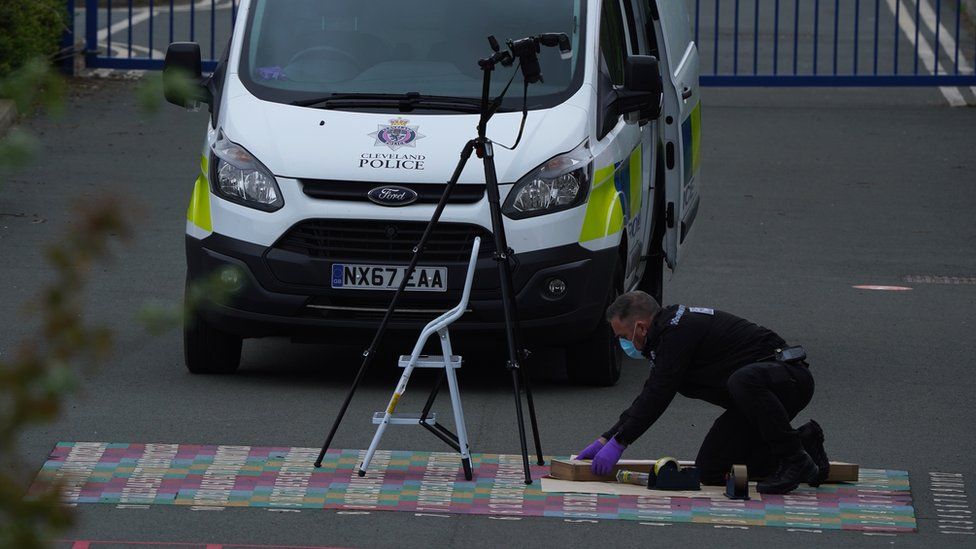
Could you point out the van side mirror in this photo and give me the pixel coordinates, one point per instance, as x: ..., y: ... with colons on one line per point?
x: 643, y: 90
x: 183, y: 75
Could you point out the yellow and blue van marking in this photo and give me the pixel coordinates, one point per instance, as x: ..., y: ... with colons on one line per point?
x: 691, y: 141
x: 615, y: 198
x: 198, y: 212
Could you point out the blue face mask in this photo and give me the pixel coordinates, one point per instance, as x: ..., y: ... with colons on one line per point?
x: 629, y: 348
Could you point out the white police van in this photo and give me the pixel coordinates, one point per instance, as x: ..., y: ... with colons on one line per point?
x: 335, y: 125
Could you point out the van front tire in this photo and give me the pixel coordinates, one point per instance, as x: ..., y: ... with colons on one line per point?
x: 207, y: 350
x: 597, y: 359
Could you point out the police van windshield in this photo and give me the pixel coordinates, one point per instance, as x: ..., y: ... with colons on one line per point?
x: 299, y: 50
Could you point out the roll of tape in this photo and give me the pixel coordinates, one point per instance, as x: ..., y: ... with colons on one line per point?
x: 663, y: 463
x: 741, y: 475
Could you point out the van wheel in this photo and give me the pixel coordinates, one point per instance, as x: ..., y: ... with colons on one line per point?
x: 207, y: 350
x: 597, y: 359
x: 652, y: 281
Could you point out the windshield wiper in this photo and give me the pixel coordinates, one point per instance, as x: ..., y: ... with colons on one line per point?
x: 404, y: 102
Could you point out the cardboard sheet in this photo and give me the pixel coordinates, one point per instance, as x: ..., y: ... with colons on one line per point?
x: 553, y: 485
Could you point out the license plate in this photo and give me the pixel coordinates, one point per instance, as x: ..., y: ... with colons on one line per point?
x: 387, y: 277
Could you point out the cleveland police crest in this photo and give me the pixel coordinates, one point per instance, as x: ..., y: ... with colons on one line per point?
x: 396, y: 134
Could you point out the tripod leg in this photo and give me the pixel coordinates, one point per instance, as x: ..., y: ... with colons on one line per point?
x: 508, y: 299
x: 532, y: 420
x: 521, y: 424
x: 381, y: 330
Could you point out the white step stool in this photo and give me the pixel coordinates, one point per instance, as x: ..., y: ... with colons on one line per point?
x: 448, y: 362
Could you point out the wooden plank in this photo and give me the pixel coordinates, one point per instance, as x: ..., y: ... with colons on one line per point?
x: 579, y: 470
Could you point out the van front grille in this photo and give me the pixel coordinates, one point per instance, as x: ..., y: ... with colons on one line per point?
x: 374, y: 240
x: 427, y: 193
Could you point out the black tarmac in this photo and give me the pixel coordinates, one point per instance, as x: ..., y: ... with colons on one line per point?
x: 806, y: 193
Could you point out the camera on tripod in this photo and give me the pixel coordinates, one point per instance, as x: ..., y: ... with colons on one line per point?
x: 526, y: 50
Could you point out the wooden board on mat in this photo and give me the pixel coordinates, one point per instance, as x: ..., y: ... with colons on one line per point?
x: 578, y: 470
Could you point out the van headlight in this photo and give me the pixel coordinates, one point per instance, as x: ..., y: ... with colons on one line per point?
x: 239, y: 177
x: 559, y: 184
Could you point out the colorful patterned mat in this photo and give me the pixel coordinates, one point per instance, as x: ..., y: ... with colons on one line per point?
x: 432, y: 482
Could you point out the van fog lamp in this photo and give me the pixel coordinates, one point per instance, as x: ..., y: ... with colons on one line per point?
x: 231, y: 278
x: 556, y: 287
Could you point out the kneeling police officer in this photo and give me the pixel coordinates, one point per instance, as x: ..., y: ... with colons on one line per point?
x: 730, y: 362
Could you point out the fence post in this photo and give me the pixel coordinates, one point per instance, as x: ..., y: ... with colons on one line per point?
x: 68, y: 40
x: 91, y: 31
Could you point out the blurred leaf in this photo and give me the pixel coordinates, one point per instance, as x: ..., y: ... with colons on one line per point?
x: 158, y: 318
x: 150, y: 92
x: 34, y: 85
x: 17, y: 149
x: 173, y: 84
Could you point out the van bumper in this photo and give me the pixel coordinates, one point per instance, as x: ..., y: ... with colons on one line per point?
x: 265, y: 306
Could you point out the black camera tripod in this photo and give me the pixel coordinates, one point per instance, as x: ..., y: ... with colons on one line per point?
x: 525, y: 50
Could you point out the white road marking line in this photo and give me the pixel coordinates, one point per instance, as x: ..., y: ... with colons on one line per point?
x: 131, y: 506
x: 205, y: 508
x: 435, y: 515
x: 285, y: 510
x: 926, y: 55
x: 353, y: 512
x: 140, y: 15
x: 951, y: 503
x: 882, y: 288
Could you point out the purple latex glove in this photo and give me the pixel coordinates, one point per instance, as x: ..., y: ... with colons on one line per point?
x: 607, y: 457
x: 590, y: 450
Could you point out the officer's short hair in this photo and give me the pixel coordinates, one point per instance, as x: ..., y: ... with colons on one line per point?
x: 633, y: 304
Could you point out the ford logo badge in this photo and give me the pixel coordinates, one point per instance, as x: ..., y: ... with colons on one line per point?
x: 392, y: 195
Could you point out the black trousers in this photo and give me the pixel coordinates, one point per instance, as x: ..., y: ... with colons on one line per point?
x: 755, y: 430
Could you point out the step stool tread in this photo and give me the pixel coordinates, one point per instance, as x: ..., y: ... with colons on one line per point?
x: 404, y: 418
x: 430, y: 361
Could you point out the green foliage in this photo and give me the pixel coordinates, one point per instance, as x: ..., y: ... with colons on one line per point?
x: 32, y: 86
x: 29, y: 29
x: 37, y: 376
x: 17, y: 149
x: 174, y: 83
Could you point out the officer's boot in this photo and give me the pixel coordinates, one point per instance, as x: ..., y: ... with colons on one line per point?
x: 793, y: 470
x: 812, y: 437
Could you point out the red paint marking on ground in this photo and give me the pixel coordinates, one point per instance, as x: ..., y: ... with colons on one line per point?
x: 93, y: 544
x: 882, y: 288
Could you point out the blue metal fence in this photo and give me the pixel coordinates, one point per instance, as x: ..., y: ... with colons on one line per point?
x: 134, y: 34
x: 834, y: 42
x: 741, y: 42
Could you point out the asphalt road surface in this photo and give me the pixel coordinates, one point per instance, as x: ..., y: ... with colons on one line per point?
x: 806, y: 194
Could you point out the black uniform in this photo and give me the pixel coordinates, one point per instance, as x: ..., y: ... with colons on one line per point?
x: 726, y: 360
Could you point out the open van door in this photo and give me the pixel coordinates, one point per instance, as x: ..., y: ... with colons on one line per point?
x: 682, y: 128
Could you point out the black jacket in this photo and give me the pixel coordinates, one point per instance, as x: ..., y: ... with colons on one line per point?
x: 693, y: 351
